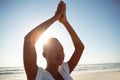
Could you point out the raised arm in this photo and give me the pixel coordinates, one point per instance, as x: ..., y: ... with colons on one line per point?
x: 79, y: 47
x: 29, y: 56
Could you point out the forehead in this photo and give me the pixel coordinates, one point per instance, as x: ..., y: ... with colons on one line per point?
x: 53, y: 44
x: 56, y: 46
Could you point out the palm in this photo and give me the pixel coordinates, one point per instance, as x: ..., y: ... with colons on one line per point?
x: 62, y: 19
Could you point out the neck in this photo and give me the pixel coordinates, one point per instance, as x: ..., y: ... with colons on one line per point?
x: 53, y: 69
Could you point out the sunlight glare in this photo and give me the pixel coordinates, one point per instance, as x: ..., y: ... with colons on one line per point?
x: 61, y: 34
x: 39, y: 48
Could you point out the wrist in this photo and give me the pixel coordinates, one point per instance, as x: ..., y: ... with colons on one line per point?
x: 65, y: 22
x: 54, y: 18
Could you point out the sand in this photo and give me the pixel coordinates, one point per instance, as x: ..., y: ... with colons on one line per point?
x: 110, y: 75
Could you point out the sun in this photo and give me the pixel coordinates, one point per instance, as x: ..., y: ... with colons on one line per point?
x: 39, y: 48
x: 43, y: 39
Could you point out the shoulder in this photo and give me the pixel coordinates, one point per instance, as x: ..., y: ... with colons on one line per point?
x: 42, y: 74
x: 64, y: 67
x: 39, y: 73
x: 64, y: 71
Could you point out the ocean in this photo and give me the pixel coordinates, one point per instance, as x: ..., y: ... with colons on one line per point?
x: 18, y: 73
x: 12, y: 73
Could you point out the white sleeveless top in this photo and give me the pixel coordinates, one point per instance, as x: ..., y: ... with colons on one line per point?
x: 45, y: 75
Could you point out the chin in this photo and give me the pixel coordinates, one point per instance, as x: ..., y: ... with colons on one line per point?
x: 59, y: 62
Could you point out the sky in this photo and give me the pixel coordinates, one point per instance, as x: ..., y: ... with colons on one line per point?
x: 97, y: 23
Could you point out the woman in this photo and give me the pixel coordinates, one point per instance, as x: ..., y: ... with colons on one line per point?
x: 52, y: 51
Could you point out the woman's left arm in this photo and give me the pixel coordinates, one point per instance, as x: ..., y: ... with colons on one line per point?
x: 79, y: 47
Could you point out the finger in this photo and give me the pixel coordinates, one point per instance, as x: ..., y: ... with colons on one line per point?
x: 61, y: 2
x: 61, y: 5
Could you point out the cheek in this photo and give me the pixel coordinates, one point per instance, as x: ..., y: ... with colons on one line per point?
x: 62, y: 55
x: 50, y: 57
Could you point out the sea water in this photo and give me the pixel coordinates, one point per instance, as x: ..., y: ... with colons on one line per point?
x: 98, y: 67
x: 12, y: 73
x: 18, y: 73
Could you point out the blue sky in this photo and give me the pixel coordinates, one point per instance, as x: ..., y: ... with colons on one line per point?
x: 97, y: 23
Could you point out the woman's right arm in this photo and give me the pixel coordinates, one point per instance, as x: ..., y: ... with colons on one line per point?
x: 29, y: 56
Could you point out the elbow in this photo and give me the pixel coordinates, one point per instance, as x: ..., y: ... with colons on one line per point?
x: 26, y: 37
x: 28, y: 40
x: 83, y: 47
x: 80, y: 47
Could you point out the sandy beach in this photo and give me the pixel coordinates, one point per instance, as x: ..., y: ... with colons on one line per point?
x: 110, y: 75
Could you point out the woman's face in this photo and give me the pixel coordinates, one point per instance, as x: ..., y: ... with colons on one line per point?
x: 55, y: 53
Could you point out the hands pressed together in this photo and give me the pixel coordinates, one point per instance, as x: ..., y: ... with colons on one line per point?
x: 61, y: 12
